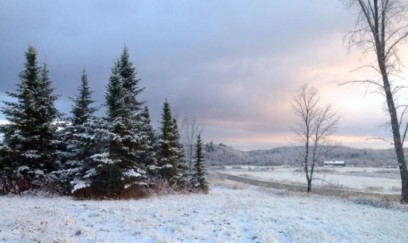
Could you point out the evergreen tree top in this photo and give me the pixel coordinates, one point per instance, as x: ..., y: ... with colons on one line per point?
x: 198, y: 180
x: 199, y: 148
x: 146, y: 111
x: 45, y: 97
x: 199, y: 145
x: 145, y: 114
x: 128, y: 73
x: 167, y: 121
x: 82, y: 110
x: 31, y: 70
x: 28, y: 78
x: 114, y: 95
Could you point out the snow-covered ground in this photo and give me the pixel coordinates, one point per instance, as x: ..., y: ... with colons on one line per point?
x: 381, y: 180
x: 224, y: 215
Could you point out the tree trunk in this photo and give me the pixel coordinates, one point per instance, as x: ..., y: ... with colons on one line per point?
x: 378, y: 31
x: 190, y: 165
x: 404, y: 187
x: 381, y: 20
x: 399, y: 151
x: 309, y: 185
x: 306, y: 160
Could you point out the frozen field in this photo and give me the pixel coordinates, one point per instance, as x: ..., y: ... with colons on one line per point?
x: 224, y: 215
x: 381, y: 180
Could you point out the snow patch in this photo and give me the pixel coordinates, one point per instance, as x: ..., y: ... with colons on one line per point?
x: 78, y: 184
x: 223, y: 215
x: 131, y: 173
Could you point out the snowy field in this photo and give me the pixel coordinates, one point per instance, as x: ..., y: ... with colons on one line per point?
x: 367, y: 179
x: 224, y: 215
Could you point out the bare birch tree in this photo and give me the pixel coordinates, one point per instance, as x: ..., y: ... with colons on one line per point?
x: 381, y: 28
x: 314, y: 126
x: 190, y: 129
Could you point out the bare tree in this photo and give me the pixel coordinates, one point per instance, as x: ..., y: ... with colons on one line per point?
x: 314, y: 126
x: 190, y: 129
x: 381, y: 27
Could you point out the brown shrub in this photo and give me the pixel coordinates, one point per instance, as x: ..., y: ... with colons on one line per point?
x: 134, y: 192
x: 158, y: 188
x: 17, y: 183
x: 162, y: 187
x: 374, y: 188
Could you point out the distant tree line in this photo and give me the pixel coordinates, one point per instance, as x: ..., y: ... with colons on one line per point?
x: 220, y: 155
x: 116, y: 156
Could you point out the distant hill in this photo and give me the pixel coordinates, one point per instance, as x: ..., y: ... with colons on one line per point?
x: 221, y: 154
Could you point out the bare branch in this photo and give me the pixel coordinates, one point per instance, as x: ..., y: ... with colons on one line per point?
x: 395, y: 32
x: 395, y: 43
x: 381, y: 139
x: 402, y: 114
x: 362, y: 82
x: 405, y: 133
x: 366, y: 66
x: 189, y: 131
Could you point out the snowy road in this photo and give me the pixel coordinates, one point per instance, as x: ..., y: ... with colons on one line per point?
x: 224, y: 215
x: 342, y: 178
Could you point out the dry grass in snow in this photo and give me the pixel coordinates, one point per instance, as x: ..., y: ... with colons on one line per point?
x: 224, y: 215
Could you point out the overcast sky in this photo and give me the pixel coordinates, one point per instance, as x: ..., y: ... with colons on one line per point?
x: 232, y: 64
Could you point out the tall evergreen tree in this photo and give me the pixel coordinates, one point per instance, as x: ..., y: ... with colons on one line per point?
x: 122, y: 164
x: 171, y: 154
x: 134, y: 106
x: 29, y: 139
x: 82, y: 110
x: 47, y: 115
x: 115, y: 100
x: 148, y: 140
x: 198, y: 180
x: 79, y: 137
x: 130, y: 83
x: 118, y: 167
x: 83, y: 140
x: 89, y: 153
x: 179, y: 150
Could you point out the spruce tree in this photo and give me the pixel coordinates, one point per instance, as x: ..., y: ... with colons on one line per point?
x: 29, y: 138
x: 148, y: 141
x: 179, y: 151
x: 198, y: 180
x: 134, y: 106
x: 171, y: 155
x: 79, y: 137
x: 128, y: 136
x: 83, y: 140
x: 115, y: 101
x: 110, y: 171
x: 82, y: 171
x: 47, y: 116
x: 82, y: 111
x: 118, y: 167
x: 130, y: 83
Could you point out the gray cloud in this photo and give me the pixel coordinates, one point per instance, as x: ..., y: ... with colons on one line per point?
x: 233, y: 64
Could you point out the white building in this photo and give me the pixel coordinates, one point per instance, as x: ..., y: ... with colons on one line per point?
x: 334, y: 163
